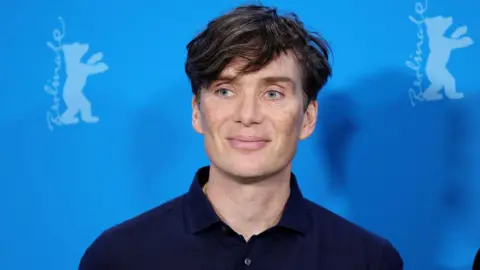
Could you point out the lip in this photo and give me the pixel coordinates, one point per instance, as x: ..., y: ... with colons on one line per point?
x: 247, y: 142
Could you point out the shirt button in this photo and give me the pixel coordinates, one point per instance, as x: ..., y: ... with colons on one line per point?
x: 247, y: 261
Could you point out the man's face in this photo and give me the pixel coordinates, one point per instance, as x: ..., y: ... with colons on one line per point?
x: 252, y: 123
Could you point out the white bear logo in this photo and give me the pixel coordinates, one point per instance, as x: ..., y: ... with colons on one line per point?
x: 77, y: 73
x: 440, y: 50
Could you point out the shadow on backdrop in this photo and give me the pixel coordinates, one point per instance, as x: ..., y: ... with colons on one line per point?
x: 337, y: 125
x: 406, y: 172
x: 461, y: 234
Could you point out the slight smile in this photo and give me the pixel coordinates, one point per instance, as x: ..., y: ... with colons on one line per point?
x: 247, y: 142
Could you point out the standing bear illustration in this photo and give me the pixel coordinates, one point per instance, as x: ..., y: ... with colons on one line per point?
x: 440, y: 49
x: 77, y: 73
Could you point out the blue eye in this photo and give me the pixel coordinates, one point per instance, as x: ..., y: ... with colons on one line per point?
x: 272, y: 94
x: 224, y: 92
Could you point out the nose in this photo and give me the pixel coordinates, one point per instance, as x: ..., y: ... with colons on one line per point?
x: 248, y: 111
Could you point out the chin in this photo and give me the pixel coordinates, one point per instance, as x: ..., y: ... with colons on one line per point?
x: 249, y: 170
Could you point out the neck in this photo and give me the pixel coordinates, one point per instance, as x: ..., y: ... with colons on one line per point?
x: 248, y: 208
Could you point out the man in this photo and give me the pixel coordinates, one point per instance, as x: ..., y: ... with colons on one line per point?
x: 255, y: 76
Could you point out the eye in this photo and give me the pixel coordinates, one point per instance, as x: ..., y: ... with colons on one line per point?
x: 272, y: 94
x: 223, y: 92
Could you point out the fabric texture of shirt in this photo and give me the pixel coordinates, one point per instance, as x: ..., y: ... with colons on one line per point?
x: 186, y: 233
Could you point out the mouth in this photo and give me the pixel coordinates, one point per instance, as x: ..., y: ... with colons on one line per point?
x: 247, y: 143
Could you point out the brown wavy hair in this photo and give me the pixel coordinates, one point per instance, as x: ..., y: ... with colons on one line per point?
x: 257, y: 34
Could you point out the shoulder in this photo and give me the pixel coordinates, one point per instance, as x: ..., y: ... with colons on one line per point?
x: 345, y: 237
x: 130, y: 235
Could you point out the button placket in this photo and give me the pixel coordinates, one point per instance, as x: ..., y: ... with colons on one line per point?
x: 248, y: 249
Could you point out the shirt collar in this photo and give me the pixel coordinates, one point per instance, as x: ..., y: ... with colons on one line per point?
x: 199, y: 213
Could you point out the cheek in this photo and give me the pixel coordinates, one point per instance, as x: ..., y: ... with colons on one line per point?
x: 287, y: 115
x: 214, y: 115
x: 287, y: 123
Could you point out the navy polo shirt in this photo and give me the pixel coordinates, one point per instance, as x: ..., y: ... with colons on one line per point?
x: 185, y: 233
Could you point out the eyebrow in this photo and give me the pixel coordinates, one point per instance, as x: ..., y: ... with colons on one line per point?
x: 265, y: 80
x: 225, y: 78
x: 277, y: 79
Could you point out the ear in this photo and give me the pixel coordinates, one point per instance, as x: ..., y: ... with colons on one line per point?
x: 196, y: 115
x: 309, y: 120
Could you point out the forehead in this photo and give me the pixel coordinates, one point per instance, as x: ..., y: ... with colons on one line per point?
x: 283, y: 66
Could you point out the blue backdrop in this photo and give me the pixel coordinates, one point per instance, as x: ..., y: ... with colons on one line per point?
x: 395, y: 149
